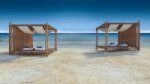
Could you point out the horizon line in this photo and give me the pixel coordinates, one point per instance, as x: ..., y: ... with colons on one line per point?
x: 142, y: 31
x: 76, y: 32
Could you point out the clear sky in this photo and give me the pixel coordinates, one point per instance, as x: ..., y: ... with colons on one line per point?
x: 74, y: 15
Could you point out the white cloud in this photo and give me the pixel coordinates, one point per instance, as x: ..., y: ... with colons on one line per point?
x: 145, y: 31
x: 3, y: 31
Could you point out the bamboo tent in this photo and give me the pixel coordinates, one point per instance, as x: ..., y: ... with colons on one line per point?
x: 128, y: 33
x: 21, y: 35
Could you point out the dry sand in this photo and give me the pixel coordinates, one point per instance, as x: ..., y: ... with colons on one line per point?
x: 77, y: 66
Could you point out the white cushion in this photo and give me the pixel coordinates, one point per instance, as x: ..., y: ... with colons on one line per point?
x: 27, y: 49
x: 112, y: 44
x: 39, y: 49
x: 123, y: 45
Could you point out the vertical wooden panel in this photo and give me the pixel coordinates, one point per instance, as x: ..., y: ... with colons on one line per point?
x: 21, y: 39
x: 129, y: 36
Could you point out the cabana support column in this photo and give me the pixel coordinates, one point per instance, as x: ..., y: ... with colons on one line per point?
x: 106, y: 37
x: 46, y: 40
x: 138, y: 35
x: 56, y: 40
x: 10, y: 39
x: 96, y: 39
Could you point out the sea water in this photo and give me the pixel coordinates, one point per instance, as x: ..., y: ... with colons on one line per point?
x: 74, y: 40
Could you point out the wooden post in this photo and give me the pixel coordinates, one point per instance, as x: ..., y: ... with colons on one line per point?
x: 96, y: 39
x: 138, y: 35
x: 56, y: 40
x: 47, y: 37
x: 106, y: 36
x: 46, y: 41
x: 10, y: 38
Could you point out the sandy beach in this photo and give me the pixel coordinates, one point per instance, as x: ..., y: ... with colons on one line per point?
x: 76, y: 66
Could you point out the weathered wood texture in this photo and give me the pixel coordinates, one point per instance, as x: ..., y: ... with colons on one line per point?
x: 130, y: 36
x: 18, y: 39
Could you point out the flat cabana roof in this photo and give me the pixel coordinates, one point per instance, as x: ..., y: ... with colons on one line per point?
x: 34, y: 28
x: 116, y: 26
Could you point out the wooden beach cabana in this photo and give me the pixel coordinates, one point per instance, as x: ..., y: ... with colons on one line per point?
x: 128, y: 36
x: 21, y: 39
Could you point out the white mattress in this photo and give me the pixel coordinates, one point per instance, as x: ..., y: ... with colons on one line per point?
x: 123, y: 45
x: 28, y: 49
x: 39, y: 49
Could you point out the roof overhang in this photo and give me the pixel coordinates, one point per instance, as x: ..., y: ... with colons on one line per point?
x: 120, y: 27
x: 34, y: 28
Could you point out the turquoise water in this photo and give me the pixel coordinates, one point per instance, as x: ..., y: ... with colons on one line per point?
x: 74, y: 40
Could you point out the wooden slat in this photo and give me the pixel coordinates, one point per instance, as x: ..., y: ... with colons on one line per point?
x: 20, y: 38
x: 130, y: 36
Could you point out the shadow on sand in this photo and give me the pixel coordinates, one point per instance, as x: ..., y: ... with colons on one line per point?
x: 5, y: 57
x: 95, y: 54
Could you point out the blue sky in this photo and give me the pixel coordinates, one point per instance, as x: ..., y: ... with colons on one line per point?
x: 74, y: 15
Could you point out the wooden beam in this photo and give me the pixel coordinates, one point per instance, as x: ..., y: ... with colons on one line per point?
x: 108, y: 23
x: 51, y: 28
x: 101, y: 26
x: 47, y: 36
x: 138, y: 35
x: 43, y: 25
x: 121, y: 22
x: 120, y: 25
x: 96, y: 39
x: 10, y: 37
x: 107, y: 37
x: 46, y: 41
x: 56, y: 40
x: 28, y: 24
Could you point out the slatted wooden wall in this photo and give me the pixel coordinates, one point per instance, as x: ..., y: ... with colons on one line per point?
x: 20, y: 39
x: 130, y: 36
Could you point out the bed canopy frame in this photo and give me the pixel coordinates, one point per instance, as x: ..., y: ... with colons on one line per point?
x: 128, y: 33
x: 21, y: 35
